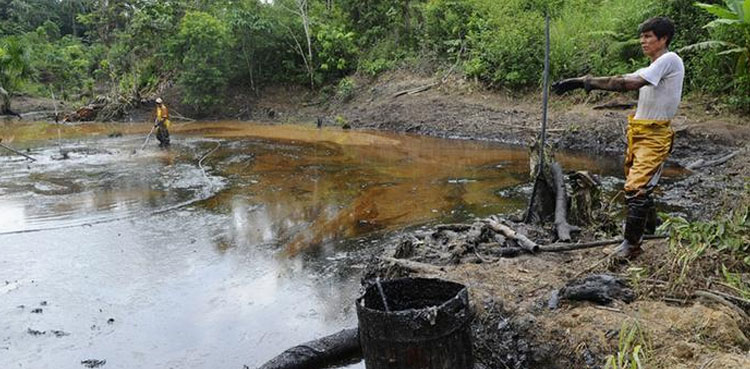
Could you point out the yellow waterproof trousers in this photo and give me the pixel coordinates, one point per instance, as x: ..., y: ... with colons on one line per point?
x: 649, y: 144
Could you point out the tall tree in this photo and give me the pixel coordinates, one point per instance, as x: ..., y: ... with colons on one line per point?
x: 14, y: 67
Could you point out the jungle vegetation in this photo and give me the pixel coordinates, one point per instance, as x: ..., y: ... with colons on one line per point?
x: 79, y: 49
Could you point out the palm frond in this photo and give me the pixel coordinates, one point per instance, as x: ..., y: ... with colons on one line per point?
x: 721, y: 21
x: 734, y: 51
x: 705, y: 45
x: 718, y: 11
x: 612, y: 34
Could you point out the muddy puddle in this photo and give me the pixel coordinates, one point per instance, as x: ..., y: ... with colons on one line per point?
x: 238, y: 242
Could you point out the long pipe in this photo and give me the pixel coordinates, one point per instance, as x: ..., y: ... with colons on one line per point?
x: 545, y: 97
x: 17, y: 152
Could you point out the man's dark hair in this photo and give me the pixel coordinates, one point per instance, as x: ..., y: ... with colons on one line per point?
x: 660, y: 26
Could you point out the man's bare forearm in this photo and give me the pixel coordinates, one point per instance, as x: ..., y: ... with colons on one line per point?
x: 613, y: 83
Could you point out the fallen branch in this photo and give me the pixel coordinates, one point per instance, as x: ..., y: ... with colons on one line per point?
x: 522, y: 240
x: 177, y: 115
x: 731, y: 297
x: 700, y: 163
x: 414, y: 266
x: 614, y: 310
x: 319, y: 353
x: 723, y: 301
x: 557, y: 247
x: 416, y: 90
x: 561, y: 209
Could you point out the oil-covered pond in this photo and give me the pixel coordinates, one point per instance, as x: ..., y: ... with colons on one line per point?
x: 224, y: 250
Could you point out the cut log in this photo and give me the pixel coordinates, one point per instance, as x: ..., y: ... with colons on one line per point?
x: 523, y: 241
x: 320, y: 353
x: 561, y: 205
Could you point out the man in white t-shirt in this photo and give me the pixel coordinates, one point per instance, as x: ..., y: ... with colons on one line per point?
x: 650, y: 135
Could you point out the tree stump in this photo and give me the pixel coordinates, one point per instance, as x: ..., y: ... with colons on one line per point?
x: 550, y: 202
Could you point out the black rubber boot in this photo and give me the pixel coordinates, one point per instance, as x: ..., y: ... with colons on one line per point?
x: 162, y: 134
x: 652, y: 220
x: 634, y: 227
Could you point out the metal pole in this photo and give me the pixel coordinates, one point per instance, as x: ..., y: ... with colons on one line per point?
x: 543, y: 135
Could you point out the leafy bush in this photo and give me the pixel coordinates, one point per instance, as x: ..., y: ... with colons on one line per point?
x: 381, y: 57
x: 730, y: 32
x: 336, y: 50
x: 345, y: 89
x: 730, y: 234
x: 201, y: 45
x: 131, y: 47
x: 446, y: 24
x: 14, y: 63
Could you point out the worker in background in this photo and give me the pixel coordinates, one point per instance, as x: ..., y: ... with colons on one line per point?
x: 162, y: 123
x: 649, y: 135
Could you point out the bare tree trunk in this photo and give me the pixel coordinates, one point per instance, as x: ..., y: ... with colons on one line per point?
x: 4, y: 102
x: 302, y: 5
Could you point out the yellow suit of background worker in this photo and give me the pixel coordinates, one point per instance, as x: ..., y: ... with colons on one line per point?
x: 162, y: 123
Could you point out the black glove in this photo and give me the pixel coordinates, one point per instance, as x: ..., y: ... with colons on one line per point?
x: 570, y: 84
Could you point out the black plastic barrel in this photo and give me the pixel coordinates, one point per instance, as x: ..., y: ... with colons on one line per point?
x: 427, y: 325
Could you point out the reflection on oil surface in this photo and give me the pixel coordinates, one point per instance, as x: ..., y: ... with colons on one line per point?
x: 151, y: 260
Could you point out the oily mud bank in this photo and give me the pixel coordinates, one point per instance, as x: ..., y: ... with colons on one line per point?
x: 514, y: 326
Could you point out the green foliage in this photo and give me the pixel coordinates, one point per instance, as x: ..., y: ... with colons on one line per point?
x: 735, y: 282
x: 633, y: 348
x: 14, y: 63
x: 345, y: 89
x: 130, y: 47
x: 202, y: 44
x: 257, y: 46
x: 381, y: 57
x: 336, y: 50
x: 65, y: 64
x: 447, y: 24
x: 698, y: 248
x: 502, y: 52
x: 731, y: 34
x: 730, y: 234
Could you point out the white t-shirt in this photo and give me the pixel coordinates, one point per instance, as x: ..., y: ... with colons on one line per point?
x: 660, y: 98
